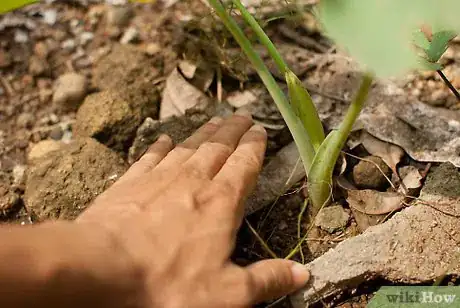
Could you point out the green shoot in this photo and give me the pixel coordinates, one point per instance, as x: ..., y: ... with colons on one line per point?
x: 9, y: 5
x: 318, y: 154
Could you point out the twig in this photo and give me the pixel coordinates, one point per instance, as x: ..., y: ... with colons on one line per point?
x: 449, y: 84
x: 261, y: 241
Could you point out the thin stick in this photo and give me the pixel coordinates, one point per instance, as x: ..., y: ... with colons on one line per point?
x: 261, y: 241
x: 450, y: 85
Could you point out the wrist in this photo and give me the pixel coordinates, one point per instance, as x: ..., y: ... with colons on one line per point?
x: 70, y: 265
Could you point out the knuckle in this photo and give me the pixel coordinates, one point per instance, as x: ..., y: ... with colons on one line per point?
x: 217, y: 148
x: 249, y: 161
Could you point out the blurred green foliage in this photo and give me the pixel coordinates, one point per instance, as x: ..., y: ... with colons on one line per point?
x: 9, y: 5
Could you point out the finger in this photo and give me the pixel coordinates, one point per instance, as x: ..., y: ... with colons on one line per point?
x: 239, y: 174
x: 212, y: 154
x: 274, y: 278
x: 152, y: 157
x: 183, y: 151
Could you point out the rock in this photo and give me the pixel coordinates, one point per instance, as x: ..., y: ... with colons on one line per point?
x: 69, y: 45
x: 417, y: 245
x: 19, y: 174
x: 56, y: 133
x: 25, y: 120
x: 5, y: 59
x: 38, y: 66
x: 332, y: 218
x: 43, y: 149
x: 152, y: 49
x: 50, y: 16
x: 119, y: 16
x: 41, y: 49
x: 70, y: 90
x: 86, y: 37
x: 112, y: 117
x: 277, y: 176
x: 438, y: 97
x: 21, y: 36
x: 122, y: 67
x: 131, y: 35
x: 8, y: 198
x: 62, y: 184
x: 367, y: 175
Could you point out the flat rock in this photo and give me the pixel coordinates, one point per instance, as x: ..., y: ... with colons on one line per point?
x: 63, y: 183
x: 416, y: 245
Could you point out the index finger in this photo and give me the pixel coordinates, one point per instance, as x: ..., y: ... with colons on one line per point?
x: 241, y: 170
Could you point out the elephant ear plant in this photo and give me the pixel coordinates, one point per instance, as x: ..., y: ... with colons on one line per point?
x: 385, y: 46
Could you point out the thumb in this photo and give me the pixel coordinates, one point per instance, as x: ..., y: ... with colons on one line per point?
x: 275, y: 278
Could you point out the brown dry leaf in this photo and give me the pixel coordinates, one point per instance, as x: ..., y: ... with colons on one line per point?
x: 411, y: 181
x: 391, y: 154
x: 370, y: 207
x: 179, y: 96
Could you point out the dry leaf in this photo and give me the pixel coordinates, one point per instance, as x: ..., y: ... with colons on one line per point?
x: 412, y: 181
x: 179, y: 95
x: 370, y: 207
x: 391, y: 154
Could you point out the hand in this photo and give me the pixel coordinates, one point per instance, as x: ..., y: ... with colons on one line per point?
x: 176, y: 213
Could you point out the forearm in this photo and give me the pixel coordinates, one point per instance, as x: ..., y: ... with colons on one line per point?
x: 65, y: 265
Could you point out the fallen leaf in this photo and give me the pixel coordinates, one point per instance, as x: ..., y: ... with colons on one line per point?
x: 370, y: 207
x: 179, y: 96
x: 411, y: 181
x: 391, y: 154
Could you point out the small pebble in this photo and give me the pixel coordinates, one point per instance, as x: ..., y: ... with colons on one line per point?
x: 21, y: 36
x: 130, y: 36
x: 50, y: 17
x: 56, y: 133
x: 69, y: 45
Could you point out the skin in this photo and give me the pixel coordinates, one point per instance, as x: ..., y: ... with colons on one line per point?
x: 159, y: 237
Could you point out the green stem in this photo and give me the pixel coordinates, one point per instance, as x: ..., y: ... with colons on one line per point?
x: 301, y: 139
x: 320, y: 174
x: 263, y: 38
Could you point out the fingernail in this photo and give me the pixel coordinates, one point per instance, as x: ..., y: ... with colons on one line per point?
x: 243, y: 112
x: 258, y: 128
x: 215, y: 120
x: 300, y: 274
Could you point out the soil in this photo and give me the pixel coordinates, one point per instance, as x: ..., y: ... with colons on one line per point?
x: 63, y: 157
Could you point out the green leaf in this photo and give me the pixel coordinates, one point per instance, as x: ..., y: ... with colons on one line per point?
x: 9, y: 5
x: 420, y: 40
x: 304, y: 108
x: 320, y: 173
x: 439, y: 44
x: 379, y: 34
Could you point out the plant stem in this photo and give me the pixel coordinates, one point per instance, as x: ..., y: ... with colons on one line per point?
x: 301, y: 139
x: 449, y: 84
x: 320, y: 175
x: 263, y: 38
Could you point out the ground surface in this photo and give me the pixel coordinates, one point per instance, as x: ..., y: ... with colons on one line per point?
x: 121, y: 61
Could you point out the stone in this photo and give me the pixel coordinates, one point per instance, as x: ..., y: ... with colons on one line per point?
x: 62, y: 184
x: 119, y: 16
x: 332, y: 218
x: 367, y: 175
x: 43, y: 149
x: 19, y: 172
x: 25, y: 120
x: 69, y: 91
x: 131, y: 35
x: 38, y: 66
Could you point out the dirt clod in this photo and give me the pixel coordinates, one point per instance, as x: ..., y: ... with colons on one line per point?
x: 366, y: 174
x: 42, y: 149
x: 332, y: 218
x: 62, y: 184
x: 112, y: 117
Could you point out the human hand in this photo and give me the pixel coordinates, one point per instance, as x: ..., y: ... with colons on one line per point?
x: 176, y: 213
